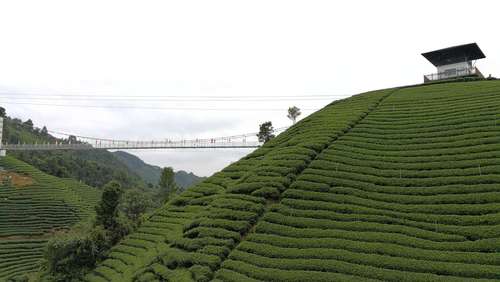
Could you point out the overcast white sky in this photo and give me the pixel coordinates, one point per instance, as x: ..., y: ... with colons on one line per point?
x: 219, y: 48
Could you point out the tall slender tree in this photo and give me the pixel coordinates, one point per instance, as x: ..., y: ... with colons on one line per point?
x: 167, y: 184
x: 293, y: 113
x: 106, y: 210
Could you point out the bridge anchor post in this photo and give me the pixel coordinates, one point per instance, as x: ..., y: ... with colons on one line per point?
x: 2, y: 151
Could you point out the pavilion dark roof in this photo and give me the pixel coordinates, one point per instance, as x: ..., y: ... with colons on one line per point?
x: 455, y: 54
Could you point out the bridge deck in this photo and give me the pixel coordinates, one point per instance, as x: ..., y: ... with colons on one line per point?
x: 129, y: 146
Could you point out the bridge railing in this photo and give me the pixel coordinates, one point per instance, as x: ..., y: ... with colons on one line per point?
x: 130, y: 145
x: 248, y: 140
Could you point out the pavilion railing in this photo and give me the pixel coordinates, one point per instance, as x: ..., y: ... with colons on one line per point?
x: 472, y: 71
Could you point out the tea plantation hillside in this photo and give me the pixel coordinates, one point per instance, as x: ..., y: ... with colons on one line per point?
x: 34, y: 206
x: 392, y: 185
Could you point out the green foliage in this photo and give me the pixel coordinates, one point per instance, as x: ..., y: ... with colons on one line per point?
x: 92, y: 167
x: 107, y: 209
x: 293, y: 113
x: 265, y: 132
x: 71, y: 255
x: 167, y: 180
x: 28, y: 124
x: 167, y: 184
x: 134, y: 203
x: 108, y: 213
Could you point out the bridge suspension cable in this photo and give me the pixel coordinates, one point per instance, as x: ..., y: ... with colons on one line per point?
x: 80, y: 142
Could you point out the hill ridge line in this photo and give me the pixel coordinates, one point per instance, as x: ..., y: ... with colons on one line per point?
x: 335, y: 138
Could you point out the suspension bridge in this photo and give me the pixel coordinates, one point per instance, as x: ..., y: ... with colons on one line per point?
x: 77, y: 142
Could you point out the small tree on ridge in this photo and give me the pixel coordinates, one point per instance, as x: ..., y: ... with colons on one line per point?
x: 266, y: 132
x: 293, y: 113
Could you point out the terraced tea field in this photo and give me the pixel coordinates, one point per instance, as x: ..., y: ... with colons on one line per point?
x: 31, y: 212
x: 391, y: 185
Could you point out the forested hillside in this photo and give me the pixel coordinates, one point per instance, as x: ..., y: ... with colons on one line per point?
x: 33, y: 207
x: 93, y: 167
x: 393, y: 185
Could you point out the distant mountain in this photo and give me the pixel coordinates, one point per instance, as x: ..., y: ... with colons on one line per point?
x: 151, y: 173
x: 187, y: 179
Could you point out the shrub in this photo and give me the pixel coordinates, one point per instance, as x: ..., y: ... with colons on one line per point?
x: 270, y: 193
x: 71, y: 255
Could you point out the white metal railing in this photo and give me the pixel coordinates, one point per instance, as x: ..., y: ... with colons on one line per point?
x: 133, y: 145
x: 248, y: 140
x: 452, y: 74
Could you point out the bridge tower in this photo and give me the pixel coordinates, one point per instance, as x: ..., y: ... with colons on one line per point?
x: 2, y: 151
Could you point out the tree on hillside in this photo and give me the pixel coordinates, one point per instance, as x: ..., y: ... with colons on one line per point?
x: 72, y: 139
x: 134, y: 203
x: 69, y: 256
x: 266, y: 132
x: 3, y: 113
x: 17, y: 122
x: 108, y: 215
x: 28, y: 124
x: 167, y: 184
x: 106, y: 210
x: 293, y: 113
x: 44, y: 131
x: 121, y: 177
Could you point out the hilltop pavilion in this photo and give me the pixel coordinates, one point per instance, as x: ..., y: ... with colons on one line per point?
x: 454, y: 62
